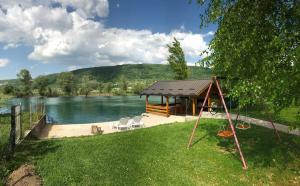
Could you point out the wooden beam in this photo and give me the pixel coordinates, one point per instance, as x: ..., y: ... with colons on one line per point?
x: 194, y: 106
x: 147, y: 101
x: 200, y: 114
x: 209, y: 104
x: 175, y: 108
x: 167, y: 105
x: 231, y: 125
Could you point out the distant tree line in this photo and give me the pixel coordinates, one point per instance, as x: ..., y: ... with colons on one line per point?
x: 67, y: 84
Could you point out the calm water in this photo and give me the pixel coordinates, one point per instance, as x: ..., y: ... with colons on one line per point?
x: 88, y: 110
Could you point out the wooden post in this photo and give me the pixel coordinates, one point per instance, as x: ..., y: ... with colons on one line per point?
x: 276, y: 132
x: 162, y: 100
x: 200, y: 114
x: 12, y: 136
x: 175, y: 107
x: 167, y: 105
x: 194, y: 106
x: 209, y: 104
x: 147, y: 101
x: 30, y: 115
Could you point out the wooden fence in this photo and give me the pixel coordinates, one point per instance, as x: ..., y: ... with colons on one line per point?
x: 19, y: 129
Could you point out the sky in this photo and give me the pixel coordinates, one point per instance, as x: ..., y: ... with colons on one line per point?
x: 51, y: 36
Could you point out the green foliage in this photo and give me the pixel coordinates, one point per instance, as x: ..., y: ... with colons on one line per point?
x: 124, y: 82
x: 8, y: 89
x: 66, y: 81
x: 127, y: 76
x: 100, y: 87
x: 177, y: 61
x: 158, y: 156
x: 108, y: 87
x: 25, y: 78
x: 41, y: 83
x: 139, y: 72
x: 52, y: 92
x: 138, y: 88
x: 256, y: 47
x: 87, y: 84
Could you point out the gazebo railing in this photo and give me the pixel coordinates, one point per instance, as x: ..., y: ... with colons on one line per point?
x: 158, y: 109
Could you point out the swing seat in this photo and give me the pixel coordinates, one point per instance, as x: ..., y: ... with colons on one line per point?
x: 225, y: 134
x: 242, y: 126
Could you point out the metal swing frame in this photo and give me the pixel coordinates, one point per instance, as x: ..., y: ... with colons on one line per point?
x: 228, y: 118
x: 232, y: 127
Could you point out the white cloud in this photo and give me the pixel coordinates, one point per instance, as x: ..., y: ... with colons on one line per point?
x: 3, y: 62
x: 73, y: 67
x: 69, y: 38
x: 88, y: 8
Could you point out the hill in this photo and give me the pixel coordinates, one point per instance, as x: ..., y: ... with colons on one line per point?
x: 132, y: 72
x: 138, y: 71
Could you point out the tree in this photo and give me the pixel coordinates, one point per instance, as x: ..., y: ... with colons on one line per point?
x: 256, y: 47
x: 138, y: 88
x: 124, y: 82
x: 25, y: 78
x: 41, y: 83
x: 87, y: 84
x: 100, y: 87
x: 177, y: 61
x: 8, y: 89
x: 66, y: 82
x: 108, y: 87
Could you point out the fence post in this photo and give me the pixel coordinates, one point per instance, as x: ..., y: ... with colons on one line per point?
x: 12, y: 137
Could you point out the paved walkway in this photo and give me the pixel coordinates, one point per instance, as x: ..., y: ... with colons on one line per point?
x: 150, y: 120
x: 258, y: 122
x: 73, y: 130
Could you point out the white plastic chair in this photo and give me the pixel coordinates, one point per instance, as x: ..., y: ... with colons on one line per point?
x: 124, y: 124
x: 136, y: 122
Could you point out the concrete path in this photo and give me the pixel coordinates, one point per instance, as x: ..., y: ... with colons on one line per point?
x: 258, y: 122
x: 73, y: 130
x: 150, y: 120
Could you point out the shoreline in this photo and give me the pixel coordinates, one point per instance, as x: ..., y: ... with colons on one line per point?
x: 149, y: 120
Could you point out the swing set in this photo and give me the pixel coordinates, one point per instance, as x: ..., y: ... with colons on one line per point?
x: 229, y: 131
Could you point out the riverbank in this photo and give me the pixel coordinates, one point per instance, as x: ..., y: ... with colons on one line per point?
x: 158, y: 156
x: 149, y: 120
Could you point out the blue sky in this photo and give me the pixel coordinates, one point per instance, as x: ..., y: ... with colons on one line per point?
x: 47, y: 39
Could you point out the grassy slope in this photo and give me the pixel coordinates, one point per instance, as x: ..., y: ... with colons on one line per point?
x: 139, y: 71
x: 158, y: 156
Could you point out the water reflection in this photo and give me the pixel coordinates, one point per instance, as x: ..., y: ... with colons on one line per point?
x: 88, y: 110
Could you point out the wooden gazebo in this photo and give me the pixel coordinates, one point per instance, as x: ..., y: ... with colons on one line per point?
x: 193, y: 90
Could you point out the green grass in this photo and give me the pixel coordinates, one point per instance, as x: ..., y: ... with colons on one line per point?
x: 288, y: 116
x: 5, y: 127
x: 158, y: 156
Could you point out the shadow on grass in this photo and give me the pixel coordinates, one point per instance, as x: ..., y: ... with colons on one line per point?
x: 30, y: 151
x: 259, y: 145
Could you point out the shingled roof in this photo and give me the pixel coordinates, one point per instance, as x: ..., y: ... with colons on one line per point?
x: 178, y: 88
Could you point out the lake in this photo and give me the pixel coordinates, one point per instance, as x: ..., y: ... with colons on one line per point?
x: 80, y: 109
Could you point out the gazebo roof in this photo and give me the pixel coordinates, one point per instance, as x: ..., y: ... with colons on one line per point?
x: 178, y: 87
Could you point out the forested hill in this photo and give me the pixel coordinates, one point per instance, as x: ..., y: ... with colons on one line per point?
x: 131, y: 72
x: 139, y: 71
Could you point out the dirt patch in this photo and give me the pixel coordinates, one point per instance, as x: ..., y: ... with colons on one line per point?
x: 24, y: 175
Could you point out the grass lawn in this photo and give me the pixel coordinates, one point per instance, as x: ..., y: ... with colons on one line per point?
x: 158, y: 156
x: 288, y: 116
x: 5, y: 126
